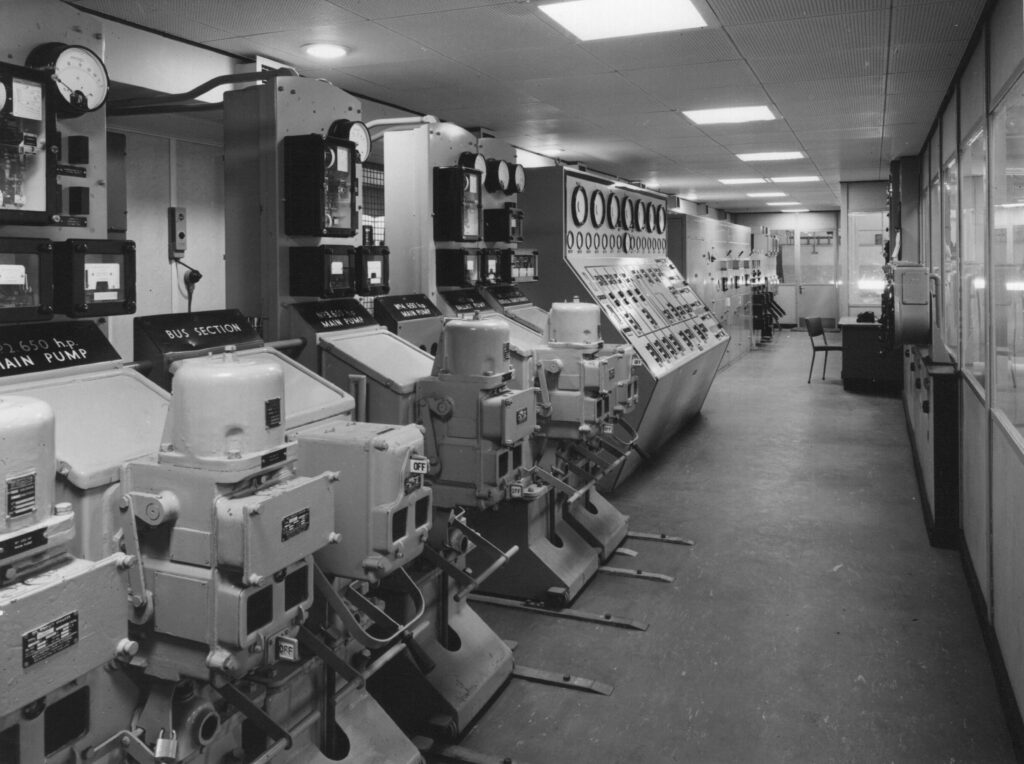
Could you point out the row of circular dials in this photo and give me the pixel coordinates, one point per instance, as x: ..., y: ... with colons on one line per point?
x: 615, y: 211
x: 498, y: 174
x: 578, y: 241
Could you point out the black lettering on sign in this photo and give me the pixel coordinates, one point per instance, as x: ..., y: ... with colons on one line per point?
x: 23, y: 543
x: 272, y: 412
x: 274, y: 457
x: 344, y: 313
x: 295, y: 524
x: 21, y: 495
x: 49, y: 639
x: 71, y: 171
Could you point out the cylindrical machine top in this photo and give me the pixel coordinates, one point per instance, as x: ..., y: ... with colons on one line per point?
x: 476, y: 348
x: 28, y: 460
x: 225, y: 408
x: 574, y: 323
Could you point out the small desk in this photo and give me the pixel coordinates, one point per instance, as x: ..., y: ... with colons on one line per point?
x: 867, y: 364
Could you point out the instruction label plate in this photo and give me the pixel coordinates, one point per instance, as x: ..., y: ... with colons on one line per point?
x: 23, y: 543
x: 294, y: 524
x: 49, y: 639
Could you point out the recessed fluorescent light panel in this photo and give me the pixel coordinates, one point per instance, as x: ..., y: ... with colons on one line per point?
x: 770, y: 156
x: 741, y: 181
x: 325, y: 50
x: 800, y: 210
x: 783, y: 204
x: 796, y: 179
x: 730, y: 116
x: 601, y: 19
x: 766, y: 194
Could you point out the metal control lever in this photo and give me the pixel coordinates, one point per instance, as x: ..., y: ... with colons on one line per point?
x: 469, y: 583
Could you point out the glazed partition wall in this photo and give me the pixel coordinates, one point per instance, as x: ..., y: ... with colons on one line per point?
x: 972, y: 239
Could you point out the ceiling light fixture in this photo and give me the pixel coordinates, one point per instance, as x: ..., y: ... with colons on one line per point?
x: 730, y: 115
x: 800, y: 210
x: 602, y: 19
x: 741, y: 181
x: 325, y: 50
x: 796, y: 179
x: 766, y: 194
x: 770, y: 156
x: 783, y: 204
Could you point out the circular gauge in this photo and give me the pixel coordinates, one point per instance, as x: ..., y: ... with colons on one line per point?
x: 597, y: 209
x: 3, y: 96
x: 498, y: 176
x: 620, y: 241
x: 649, y: 217
x: 661, y: 219
x: 590, y: 241
x: 79, y: 79
x: 641, y: 216
x: 569, y: 240
x: 518, y: 179
x: 356, y: 133
x: 614, y: 210
x: 579, y: 240
x: 627, y: 213
x: 473, y: 161
x: 604, y: 241
x: 579, y: 205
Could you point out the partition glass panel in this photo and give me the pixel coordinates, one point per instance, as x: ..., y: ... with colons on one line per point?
x: 973, y: 230
x: 950, y: 325
x: 1007, y: 243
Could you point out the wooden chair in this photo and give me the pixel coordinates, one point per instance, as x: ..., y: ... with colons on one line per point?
x: 814, y: 329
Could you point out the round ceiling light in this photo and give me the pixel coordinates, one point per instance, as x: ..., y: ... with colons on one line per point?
x: 324, y: 50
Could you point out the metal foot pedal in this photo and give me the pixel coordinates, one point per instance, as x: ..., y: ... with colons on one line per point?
x: 636, y: 573
x: 626, y: 552
x: 567, y: 681
x: 572, y: 614
x: 663, y: 537
x: 458, y: 754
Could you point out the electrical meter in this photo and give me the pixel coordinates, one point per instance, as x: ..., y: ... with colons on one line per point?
x: 458, y: 267
x: 26, y: 280
x: 324, y: 271
x: 372, y: 270
x: 626, y: 220
x: 505, y: 224
x: 78, y: 78
x: 320, y: 186
x: 28, y: 180
x: 94, y: 277
x: 457, y: 199
x: 498, y: 176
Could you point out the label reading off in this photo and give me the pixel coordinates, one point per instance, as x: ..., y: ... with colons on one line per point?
x: 418, y: 465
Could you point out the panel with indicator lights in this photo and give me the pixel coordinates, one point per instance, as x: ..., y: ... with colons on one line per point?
x: 647, y: 301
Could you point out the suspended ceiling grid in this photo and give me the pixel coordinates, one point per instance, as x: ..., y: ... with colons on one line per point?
x: 854, y: 82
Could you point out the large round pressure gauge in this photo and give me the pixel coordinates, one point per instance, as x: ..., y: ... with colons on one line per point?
x: 79, y: 80
x: 649, y: 217
x: 473, y: 161
x: 661, y: 219
x: 641, y: 215
x: 614, y: 210
x: 355, y: 132
x: 627, y: 213
x: 578, y: 203
x: 597, y: 209
x: 498, y: 177
x: 518, y: 179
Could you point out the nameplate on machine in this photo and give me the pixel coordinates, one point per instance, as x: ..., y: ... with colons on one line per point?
x: 408, y: 307
x: 332, y: 315
x: 182, y: 332
x: 29, y: 348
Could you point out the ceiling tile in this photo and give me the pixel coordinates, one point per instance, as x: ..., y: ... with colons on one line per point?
x: 936, y: 22
x: 387, y: 9
x: 832, y: 89
x: 917, y: 57
x: 674, y: 82
x: 828, y: 64
x: 827, y: 33
x: 693, y: 46
x: 915, y: 82
x: 476, y: 29
x: 732, y: 12
x: 532, y: 63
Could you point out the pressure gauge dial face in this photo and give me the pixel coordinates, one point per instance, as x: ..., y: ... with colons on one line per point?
x: 498, y: 176
x: 474, y: 161
x: 614, y: 210
x: 579, y: 205
x: 641, y: 215
x: 355, y: 132
x: 518, y: 179
x: 597, y: 209
x: 661, y: 219
x: 3, y: 96
x: 627, y: 214
x: 80, y: 80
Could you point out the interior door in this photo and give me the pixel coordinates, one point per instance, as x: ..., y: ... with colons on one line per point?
x: 817, y: 269
x: 786, y: 270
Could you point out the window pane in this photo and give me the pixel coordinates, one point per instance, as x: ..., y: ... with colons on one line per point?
x: 973, y: 229
x: 1007, y: 243
x: 951, y: 257
x: 867, y: 241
